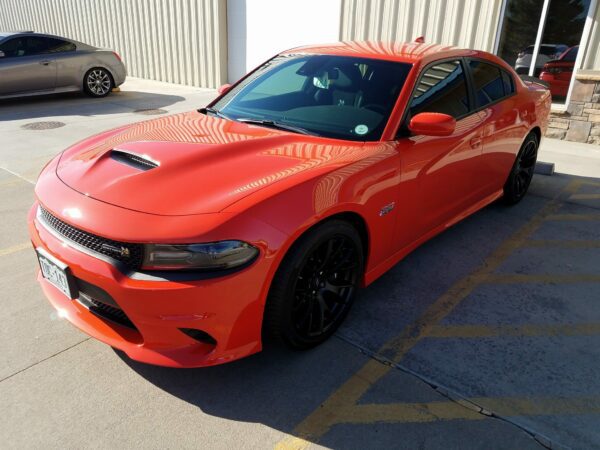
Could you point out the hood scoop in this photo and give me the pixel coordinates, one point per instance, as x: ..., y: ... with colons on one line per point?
x: 135, y: 160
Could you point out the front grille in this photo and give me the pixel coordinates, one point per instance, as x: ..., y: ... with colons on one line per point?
x: 129, y: 254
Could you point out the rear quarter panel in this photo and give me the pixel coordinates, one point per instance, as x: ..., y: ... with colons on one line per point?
x: 72, y: 67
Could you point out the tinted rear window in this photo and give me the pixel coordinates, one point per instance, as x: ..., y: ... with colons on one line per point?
x: 488, y: 81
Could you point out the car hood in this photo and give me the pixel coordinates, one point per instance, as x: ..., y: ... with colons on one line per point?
x: 193, y: 164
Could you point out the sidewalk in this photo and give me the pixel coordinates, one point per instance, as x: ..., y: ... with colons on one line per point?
x: 573, y: 158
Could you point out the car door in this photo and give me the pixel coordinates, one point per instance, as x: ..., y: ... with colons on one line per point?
x: 26, y: 66
x: 502, y: 127
x: 440, y: 176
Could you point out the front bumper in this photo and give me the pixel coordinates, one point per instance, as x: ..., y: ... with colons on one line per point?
x: 228, y: 308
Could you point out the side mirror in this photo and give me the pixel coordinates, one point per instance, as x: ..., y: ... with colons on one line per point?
x: 224, y: 89
x: 2, y: 55
x: 432, y: 124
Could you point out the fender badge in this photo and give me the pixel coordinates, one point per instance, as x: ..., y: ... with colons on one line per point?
x: 387, y: 209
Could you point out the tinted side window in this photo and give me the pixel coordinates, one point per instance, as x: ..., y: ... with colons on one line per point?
x: 509, y: 84
x: 443, y: 89
x: 489, y: 85
x: 13, y: 47
x: 34, y: 45
x: 59, y: 46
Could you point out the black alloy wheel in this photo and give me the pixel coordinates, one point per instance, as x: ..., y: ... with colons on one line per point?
x: 315, y: 286
x: 518, y: 181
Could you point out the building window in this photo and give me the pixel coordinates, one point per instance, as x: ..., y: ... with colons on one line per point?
x: 540, y: 38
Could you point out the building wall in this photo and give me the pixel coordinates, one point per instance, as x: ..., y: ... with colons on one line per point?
x: 259, y: 29
x: 581, y: 120
x: 179, y: 41
x: 464, y: 23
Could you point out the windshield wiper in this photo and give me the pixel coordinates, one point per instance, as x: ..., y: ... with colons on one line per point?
x: 214, y: 112
x: 277, y: 125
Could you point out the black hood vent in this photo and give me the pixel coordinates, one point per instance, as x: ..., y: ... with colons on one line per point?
x: 140, y: 162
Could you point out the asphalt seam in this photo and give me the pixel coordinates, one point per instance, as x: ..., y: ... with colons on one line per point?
x: 17, y: 175
x: 450, y: 394
x: 44, y: 360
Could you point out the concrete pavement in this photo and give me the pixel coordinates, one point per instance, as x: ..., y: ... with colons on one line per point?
x: 485, y: 337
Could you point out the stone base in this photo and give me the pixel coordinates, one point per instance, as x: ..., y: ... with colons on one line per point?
x: 580, y: 122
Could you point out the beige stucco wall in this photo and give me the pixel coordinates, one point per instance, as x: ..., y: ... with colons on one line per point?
x: 178, y: 41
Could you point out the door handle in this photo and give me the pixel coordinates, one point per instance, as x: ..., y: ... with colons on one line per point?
x: 45, y: 63
x: 475, y: 142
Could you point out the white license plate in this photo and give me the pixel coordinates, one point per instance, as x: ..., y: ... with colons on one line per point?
x: 56, y: 272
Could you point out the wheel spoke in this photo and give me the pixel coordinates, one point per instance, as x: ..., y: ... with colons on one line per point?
x: 325, y: 286
x: 320, y: 304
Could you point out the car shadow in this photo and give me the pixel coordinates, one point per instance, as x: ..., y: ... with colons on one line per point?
x: 79, y: 104
x: 280, y: 388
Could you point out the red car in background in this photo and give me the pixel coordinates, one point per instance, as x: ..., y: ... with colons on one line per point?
x: 185, y: 240
x: 558, y: 72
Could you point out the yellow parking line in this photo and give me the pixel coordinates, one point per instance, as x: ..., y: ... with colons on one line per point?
x: 292, y: 443
x: 510, y: 278
x: 328, y: 413
x: 590, y: 183
x: 528, y: 330
x: 585, y: 197
x: 408, y: 413
x: 14, y: 248
x: 546, y: 406
x: 546, y: 243
x: 449, y: 410
x: 574, y: 217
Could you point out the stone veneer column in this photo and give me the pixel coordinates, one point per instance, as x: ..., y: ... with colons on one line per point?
x: 580, y: 122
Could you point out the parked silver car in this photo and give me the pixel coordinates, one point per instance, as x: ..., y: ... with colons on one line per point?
x: 33, y: 63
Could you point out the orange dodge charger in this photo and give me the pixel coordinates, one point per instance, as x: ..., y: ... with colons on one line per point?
x: 187, y: 240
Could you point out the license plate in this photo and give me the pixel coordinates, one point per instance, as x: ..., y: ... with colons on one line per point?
x: 56, y: 272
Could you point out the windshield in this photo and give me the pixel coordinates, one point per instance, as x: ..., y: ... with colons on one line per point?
x: 333, y: 96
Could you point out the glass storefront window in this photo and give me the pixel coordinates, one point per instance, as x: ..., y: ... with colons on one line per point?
x: 558, y: 33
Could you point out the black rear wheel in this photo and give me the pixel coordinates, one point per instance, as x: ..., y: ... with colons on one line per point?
x: 518, y: 181
x: 315, y: 286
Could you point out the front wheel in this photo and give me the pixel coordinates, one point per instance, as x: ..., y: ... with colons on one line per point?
x: 315, y: 286
x: 98, y: 82
x: 520, y: 176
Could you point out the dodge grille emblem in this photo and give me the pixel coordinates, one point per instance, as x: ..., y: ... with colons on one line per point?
x: 123, y: 252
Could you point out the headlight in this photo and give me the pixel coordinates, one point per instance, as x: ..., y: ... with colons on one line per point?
x: 210, y: 256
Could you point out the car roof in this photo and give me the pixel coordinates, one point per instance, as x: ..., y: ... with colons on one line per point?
x: 410, y: 52
x: 5, y: 34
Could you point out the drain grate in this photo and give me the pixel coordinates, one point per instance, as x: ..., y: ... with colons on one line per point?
x: 150, y: 111
x: 42, y: 125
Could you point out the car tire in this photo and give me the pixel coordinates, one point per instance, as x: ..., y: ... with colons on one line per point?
x: 315, y: 285
x: 98, y: 82
x: 521, y: 173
